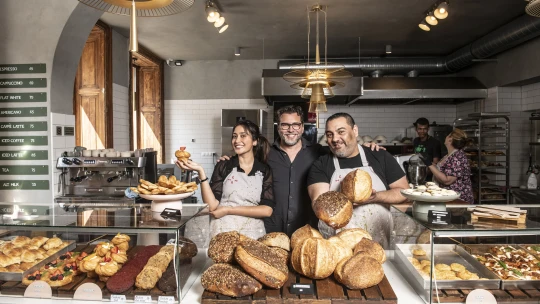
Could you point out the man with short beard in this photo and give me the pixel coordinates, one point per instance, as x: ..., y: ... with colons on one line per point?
x: 387, y: 178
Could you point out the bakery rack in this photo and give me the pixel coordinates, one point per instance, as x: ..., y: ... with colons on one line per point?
x: 489, y: 156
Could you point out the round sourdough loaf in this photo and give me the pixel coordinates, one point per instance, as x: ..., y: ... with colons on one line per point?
x: 276, y: 239
x: 359, y: 271
x: 314, y: 258
x: 352, y: 236
x: 333, y: 208
x: 303, y: 233
x: 371, y: 248
x: 229, y: 280
x: 357, y: 186
x: 342, y: 251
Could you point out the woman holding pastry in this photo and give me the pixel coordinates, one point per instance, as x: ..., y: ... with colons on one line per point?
x: 240, y: 191
x: 453, y: 171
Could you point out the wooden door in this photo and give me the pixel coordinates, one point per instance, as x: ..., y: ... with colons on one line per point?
x: 150, y: 109
x: 93, y: 92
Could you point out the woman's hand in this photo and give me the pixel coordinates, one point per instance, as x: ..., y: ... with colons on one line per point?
x: 220, y: 212
x: 374, y: 146
x: 189, y: 165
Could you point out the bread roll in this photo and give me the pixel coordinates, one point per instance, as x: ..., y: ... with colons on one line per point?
x: 359, y: 272
x: 357, y: 186
x: 333, y: 208
x: 303, y: 233
x: 276, y: 239
x: 314, y: 258
x: 222, y: 246
x: 371, y: 248
x: 342, y: 251
x: 229, y: 280
x: 263, y: 263
x: 353, y: 235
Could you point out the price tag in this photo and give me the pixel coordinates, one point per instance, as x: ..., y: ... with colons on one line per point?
x: 88, y: 292
x: 480, y: 296
x: 438, y: 217
x: 38, y: 289
x: 302, y: 288
x: 143, y: 299
x: 118, y: 298
x: 165, y: 299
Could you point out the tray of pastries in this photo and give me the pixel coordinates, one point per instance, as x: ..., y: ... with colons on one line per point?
x: 453, y: 267
x: 22, y: 255
x: 167, y: 188
x: 516, y: 267
x: 430, y: 192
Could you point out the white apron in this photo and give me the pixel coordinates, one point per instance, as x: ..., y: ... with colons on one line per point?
x: 375, y: 218
x: 239, y: 189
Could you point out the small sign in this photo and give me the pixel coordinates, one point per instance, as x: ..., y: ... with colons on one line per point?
x: 38, y: 289
x: 24, y: 170
x: 24, y: 155
x: 118, y: 298
x: 169, y: 213
x: 24, y: 126
x: 32, y: 68
x: 438, y: 217
x: 23, y: 112
x: 480, y: 296
x: 14, y: 83
x: 88, y: 292
x: 23, y: 141
x: 23, y: 97
x: 166, y: 299
x: 142, y: 299
x: 302, y: 288
x: 24, y: 185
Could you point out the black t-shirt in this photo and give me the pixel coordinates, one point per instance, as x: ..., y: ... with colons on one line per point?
x: 382, y: 162
x: 431, y: 148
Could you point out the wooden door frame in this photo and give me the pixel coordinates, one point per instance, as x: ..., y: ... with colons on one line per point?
x: 109, y: 133
x: 145, y: 57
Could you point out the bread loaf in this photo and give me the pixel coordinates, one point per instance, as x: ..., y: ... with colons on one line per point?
x: 188, y: 249
x: 262, y: 262
x: 371, y: 248
x: 342, y: 251
x: 303, y: 233
x: 222, y: 246
x: 352, y: 236
x: 229, y: 280
x: 359, y: 271
x: 276, y: 239
x: 314, y: 258
x: 357, y: 186
x: 333, y: 208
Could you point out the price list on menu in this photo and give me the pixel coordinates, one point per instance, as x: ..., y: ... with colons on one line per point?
x: 24, y: 151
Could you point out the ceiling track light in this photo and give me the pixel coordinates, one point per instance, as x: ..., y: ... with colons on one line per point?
x: 423, y: 25
x: 431, y: 19
x: 438, y: 11
x: 214, y: 16
x: 441, y: 12
x: 388, y: 49
x: 237, y: 51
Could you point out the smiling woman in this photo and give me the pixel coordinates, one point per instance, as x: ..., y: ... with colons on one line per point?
x: 240, y: 192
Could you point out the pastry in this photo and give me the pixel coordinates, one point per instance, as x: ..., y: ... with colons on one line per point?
x: 371, y: 248
x: 168, y: 281
x: 314, y: 258
x: 52, y: 265
x: 222, y: 246
x: 59, y: 278
x: 342, y: 250
x: 20, y: 241
x: 124, y: 246
x: 120, y: 238
x: 353, y: 236
x: 357, y: 186
x: 457, y: 267
x: 188, y: 249
x: 6, y: 260
x: 118, y: 255
x: 52, y: 243
x: 333, y: 208
x: 71, y: 266
x: 264, y: 264
x: 182, y: 155
x: 103, y: 248
x: 303, y: 233
x: 89, y: 263
x: 15, y: 252
x: 6, y: 249
x: 31, y: 256
x: 38, y: 241
x: 229, y: 280
x: 26, y: 265
x: 442, y: 267
x: 359, y: 272
x: 35, y: 276
x: 154, y: 268
x: 14, y: 268
x: 276, y: 239
x: 106, y: 267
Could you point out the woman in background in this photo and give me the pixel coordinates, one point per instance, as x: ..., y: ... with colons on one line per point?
x: 240, y: 192
x: 453, y: 171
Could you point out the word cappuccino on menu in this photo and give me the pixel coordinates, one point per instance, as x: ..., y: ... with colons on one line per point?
x: 11, y: 82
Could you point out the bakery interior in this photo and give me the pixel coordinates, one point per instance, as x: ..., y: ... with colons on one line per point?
x: 97, y: 103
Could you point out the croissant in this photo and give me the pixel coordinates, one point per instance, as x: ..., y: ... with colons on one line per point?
x: 120, y: 238
x: 20, y: 241
x: 52, y: 243
x: 181, y: 154
x: 38, y: 241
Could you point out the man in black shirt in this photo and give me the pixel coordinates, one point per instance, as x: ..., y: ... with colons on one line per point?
x: 428, y: 146
x: 387, y: 177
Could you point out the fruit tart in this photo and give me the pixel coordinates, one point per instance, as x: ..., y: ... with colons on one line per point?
x: 38, y: 275
x: 59, y: 278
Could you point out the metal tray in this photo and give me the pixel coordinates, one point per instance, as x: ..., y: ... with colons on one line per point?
x: 18, y: 276
x: 533, y: 252
x: 448, y: 254
x: 505, y: 284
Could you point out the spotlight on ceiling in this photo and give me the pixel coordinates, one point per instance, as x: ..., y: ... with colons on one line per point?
x: 173, y: 62
x: 219, y: 22
x: 212, y: 13
x: 430, y: 18
x: 423, y: 25
x: 237, y: 51
x: 388, y: 49
x: 223, y: 28
x: 442, y: 10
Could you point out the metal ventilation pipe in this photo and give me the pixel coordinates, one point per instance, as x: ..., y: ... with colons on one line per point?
x: 510, y: 35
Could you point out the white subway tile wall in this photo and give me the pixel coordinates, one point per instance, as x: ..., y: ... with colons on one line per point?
x: 59, y: 144
x: 120, y: 118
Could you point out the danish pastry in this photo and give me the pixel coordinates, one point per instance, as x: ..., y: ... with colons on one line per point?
x: 120, y: 238
x: 20, y: 241
x: 52, y: 243
x: 103, y: 248
x: 107, y: 267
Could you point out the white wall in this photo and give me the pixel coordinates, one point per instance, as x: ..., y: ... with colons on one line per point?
x: 120, y: 117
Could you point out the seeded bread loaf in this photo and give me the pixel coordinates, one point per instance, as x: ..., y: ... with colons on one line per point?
x: 333, y: 208
x: 359, y: 272
x: 303, y: 233
x: 276, y: 239
x: 371, y: 248
x: 222, y: 246
x: 357, y: 186
x: 229, y: 280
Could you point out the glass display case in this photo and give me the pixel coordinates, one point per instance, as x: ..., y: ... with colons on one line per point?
x: 467, y: 248
x: 101, y: 254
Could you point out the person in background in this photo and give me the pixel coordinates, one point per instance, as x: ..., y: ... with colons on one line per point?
x: 387, y: 178
x: 426, y: 145
x: 240, y: 193
x: 453, y: 171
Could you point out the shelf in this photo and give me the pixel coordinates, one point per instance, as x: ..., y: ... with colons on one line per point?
x: 491, y: 186
x: 493, y: 173
x: 489, y: 115
x: 486, y: 148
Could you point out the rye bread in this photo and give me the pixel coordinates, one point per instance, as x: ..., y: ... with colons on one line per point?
x: 229, y: 280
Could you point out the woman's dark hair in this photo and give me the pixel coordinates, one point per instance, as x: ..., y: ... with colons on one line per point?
x: 260, y: 151
x: 459, y: 139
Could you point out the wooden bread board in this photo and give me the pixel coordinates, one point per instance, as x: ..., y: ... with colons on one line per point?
x: 326, y: 291
x: 484, y: 217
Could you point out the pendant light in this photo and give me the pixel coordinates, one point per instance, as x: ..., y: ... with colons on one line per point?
x: 431, y: 19
x: 423, y: 25
x: 442, y: 10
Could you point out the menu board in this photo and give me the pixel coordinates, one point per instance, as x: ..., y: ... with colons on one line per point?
x: 24, y: 154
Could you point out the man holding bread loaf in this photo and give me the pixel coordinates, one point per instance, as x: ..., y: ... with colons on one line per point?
x: 371, y: 193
